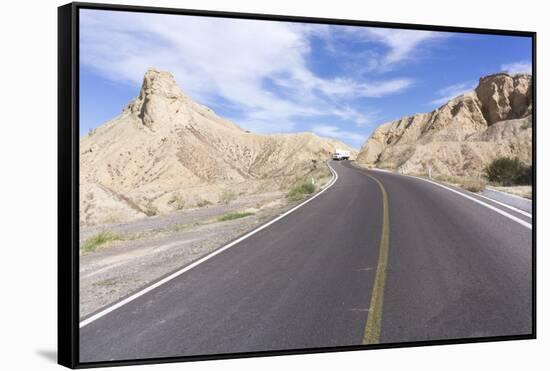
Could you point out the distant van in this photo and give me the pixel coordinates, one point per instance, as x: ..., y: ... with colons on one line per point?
x: 340, y: 154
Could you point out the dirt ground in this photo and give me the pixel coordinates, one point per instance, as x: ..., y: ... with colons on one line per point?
x: 146, y: 249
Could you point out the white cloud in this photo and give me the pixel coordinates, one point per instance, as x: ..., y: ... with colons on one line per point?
x: 402, y: 45
x: 347, y: 113
x: 231, y: 59
x: 335, y: 132
x: 347, y: 87
x: 223, y: 56
x: 452, y: 91
x: 517, y: 67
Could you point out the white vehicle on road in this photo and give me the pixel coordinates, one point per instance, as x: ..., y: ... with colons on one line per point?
x: 340, y: 154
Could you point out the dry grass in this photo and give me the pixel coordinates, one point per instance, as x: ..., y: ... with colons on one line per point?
x: 300, y: 191
x: 473, y: 185
x: 467, y: 183
x: 232, y: 216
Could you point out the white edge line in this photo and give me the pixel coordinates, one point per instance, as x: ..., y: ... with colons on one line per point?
x: 495, y: 209
x: 142, y: 292
x: 377, y: 169
x: 508, y: 206
x: 523, y: 212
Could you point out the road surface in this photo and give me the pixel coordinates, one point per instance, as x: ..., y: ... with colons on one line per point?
x: 376, y: 258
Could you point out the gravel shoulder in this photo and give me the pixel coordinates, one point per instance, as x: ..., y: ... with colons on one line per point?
x: 515, y: 199
x: 149, y: 248
x: 525, y: 192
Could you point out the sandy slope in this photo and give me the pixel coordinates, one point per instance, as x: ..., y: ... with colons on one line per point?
x: 165, y: 152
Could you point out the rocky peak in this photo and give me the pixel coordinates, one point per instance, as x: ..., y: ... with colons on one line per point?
x: 463, y: 135
x: 159, y: 83
x: 504, y: 97
x: 166, y: 147
x: 158, y: 91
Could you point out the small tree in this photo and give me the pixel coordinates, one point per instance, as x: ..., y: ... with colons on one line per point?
x: 508, y: 171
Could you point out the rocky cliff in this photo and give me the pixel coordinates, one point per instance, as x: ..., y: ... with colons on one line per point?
x: 462, y: 136
x: 166, y: 152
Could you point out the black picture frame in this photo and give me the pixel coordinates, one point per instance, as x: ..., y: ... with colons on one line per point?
x: 68, y: 179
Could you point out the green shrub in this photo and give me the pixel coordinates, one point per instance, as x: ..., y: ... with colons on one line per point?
x: 508, y: 171
x: 92, y: 243
x: 526, y: 176
x: 232, y: 216
x: 299, y: 191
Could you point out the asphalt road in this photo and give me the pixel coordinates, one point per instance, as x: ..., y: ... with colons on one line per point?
x: 429, y: 263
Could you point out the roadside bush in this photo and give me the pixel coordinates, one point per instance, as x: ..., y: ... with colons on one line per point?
x: 508, y: 171
x: 300, y: 191
x: 308, y: 188
x: 526, y: 176
x: 98, y: 240
x: 151, y: 210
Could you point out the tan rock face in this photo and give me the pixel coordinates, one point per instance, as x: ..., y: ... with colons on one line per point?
x: 166, y: 152
x: 462, y: 136
x: 504, y: 97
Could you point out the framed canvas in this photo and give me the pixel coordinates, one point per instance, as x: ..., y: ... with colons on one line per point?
x: 238, y: 185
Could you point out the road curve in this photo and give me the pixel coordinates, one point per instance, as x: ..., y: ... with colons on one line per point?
x: 455, y: 269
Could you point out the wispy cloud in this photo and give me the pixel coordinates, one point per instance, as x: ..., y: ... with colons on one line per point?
x: 452, y: 91
x: 517, y: 67
x: 232, y: 60
x: 347, y: 87
x: 401, y: 45
x: 231, y: 64
x: 349, y: 114
x: 335, y: 132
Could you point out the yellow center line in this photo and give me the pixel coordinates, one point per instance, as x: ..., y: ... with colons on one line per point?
x: 374, y: 319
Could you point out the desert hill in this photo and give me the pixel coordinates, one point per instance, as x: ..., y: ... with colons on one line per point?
x: 462, y: 136
x: 165, y: 152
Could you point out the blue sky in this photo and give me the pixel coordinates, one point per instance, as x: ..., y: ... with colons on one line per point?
x: 271, y: 77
